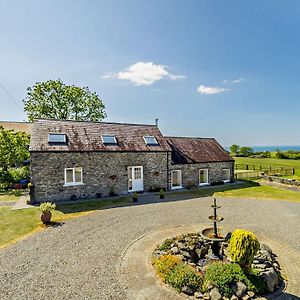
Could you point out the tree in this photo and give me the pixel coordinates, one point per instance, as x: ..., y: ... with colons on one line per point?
x: 55, y: 100
x: 14, y: 148
x: 246, y: 151
x: 234, y: 149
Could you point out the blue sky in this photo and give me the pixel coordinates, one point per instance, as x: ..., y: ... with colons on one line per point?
x: 227, y: 69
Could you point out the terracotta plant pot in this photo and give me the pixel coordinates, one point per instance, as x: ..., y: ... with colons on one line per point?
x: 46, y: 217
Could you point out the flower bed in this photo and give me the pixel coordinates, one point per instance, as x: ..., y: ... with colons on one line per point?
x: 184, y: 263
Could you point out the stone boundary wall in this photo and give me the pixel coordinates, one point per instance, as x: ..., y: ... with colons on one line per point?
x: 281, y: 180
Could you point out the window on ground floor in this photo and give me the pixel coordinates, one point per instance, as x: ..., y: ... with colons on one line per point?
x: 73, y: 176
x: 176, y: 179
x: 226, y: 175
x: 203, y: 176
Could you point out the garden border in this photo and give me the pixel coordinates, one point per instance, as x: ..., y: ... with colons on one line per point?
x: 139, y: 280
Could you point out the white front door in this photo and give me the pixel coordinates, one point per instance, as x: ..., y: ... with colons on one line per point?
x: 135, y: 179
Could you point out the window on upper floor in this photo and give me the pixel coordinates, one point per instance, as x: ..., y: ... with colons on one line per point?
x: 150, y: 140
x: 59, y: 138
x: 109, y: 139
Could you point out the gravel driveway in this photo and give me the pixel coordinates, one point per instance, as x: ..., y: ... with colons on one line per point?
x: 79, y: 259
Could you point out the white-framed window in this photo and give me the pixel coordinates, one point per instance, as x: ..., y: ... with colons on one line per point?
x: 73, y: 176
x: 226, y: 175
x: 57, y: 138
x: 203, y: 177
x: 150, y: 140
x: 109, y: 139
x: 176, y: 180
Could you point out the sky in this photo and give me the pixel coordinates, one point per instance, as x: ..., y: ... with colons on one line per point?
x: 223, y: 69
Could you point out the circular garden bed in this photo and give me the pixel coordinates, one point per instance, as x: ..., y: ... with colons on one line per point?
x: 186, y: 263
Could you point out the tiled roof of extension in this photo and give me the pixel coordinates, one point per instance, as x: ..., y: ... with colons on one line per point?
x: 187, y: 150
x: 86, y: 136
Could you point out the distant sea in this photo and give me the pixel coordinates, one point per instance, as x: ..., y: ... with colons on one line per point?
x: 272, y: 148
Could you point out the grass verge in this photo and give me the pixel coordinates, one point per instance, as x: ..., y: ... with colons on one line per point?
x: 18, y: 224
x: 248, y: 189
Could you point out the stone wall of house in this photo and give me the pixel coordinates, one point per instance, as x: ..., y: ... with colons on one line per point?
x: 101, y: 172
x: 190, y: 172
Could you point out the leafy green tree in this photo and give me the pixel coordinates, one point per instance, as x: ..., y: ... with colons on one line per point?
x: 246, y: 151
x: 55, y: 100
x: 234, y: 149
x: 14, y: 148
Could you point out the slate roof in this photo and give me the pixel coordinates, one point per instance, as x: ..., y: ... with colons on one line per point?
x: 187, y: 150
x: 86, y: 136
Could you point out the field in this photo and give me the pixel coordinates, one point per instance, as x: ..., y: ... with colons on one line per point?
x: 271, y: 162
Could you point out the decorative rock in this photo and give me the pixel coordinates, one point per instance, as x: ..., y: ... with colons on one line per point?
x: 245, y: 297
x: 181, y: 246
x: 206, y: 296
x: 260, y: 266
x: 186, y: 254
x: 234, y: 297
x: 198, y: 295
x: 239, y: 289
x: 265, y: 247
x: 276, y: 265
x: 251, y: 294
x: 271, y: 278
x: 175, y: 250
x: 187, y: 290
x: 215, y: 295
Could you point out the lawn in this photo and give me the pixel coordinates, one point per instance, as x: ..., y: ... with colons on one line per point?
x: 248, y: 189
x: 270, y: 162
x: 8, y: 198
x: 261, y: 192
x: 17, y: 224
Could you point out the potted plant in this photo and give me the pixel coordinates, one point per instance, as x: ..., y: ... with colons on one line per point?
x: 46, y: 209
x: 135, y: 197
x: 162, y: 194
x: 112, y: 191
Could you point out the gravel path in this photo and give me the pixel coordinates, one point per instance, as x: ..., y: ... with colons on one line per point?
x: 79, y: 259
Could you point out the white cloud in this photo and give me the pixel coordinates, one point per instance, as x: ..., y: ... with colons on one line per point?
x: 175, y: 77
x: 239, y: 80
x: 211, y: 90
x: 143, y: 73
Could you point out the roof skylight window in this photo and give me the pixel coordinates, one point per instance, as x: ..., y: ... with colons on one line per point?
x: 59, y: 138
x: 150, y: 140
x: 109, y: 139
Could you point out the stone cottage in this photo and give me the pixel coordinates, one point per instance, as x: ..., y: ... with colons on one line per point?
x: 76, y: 160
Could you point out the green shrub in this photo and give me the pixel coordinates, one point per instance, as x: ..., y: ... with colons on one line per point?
x: 184, y: 275
x: 161, y: 193
x: 176, y: 273
x: 47, y: 207
x: 17, y: 174
x: 223, y: 275
x: 243, y: 246
x: 166, y: 245
x: 165, y: 264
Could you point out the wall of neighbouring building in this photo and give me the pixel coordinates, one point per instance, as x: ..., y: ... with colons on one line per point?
x: 101, y: 171
x: 190, y: 172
